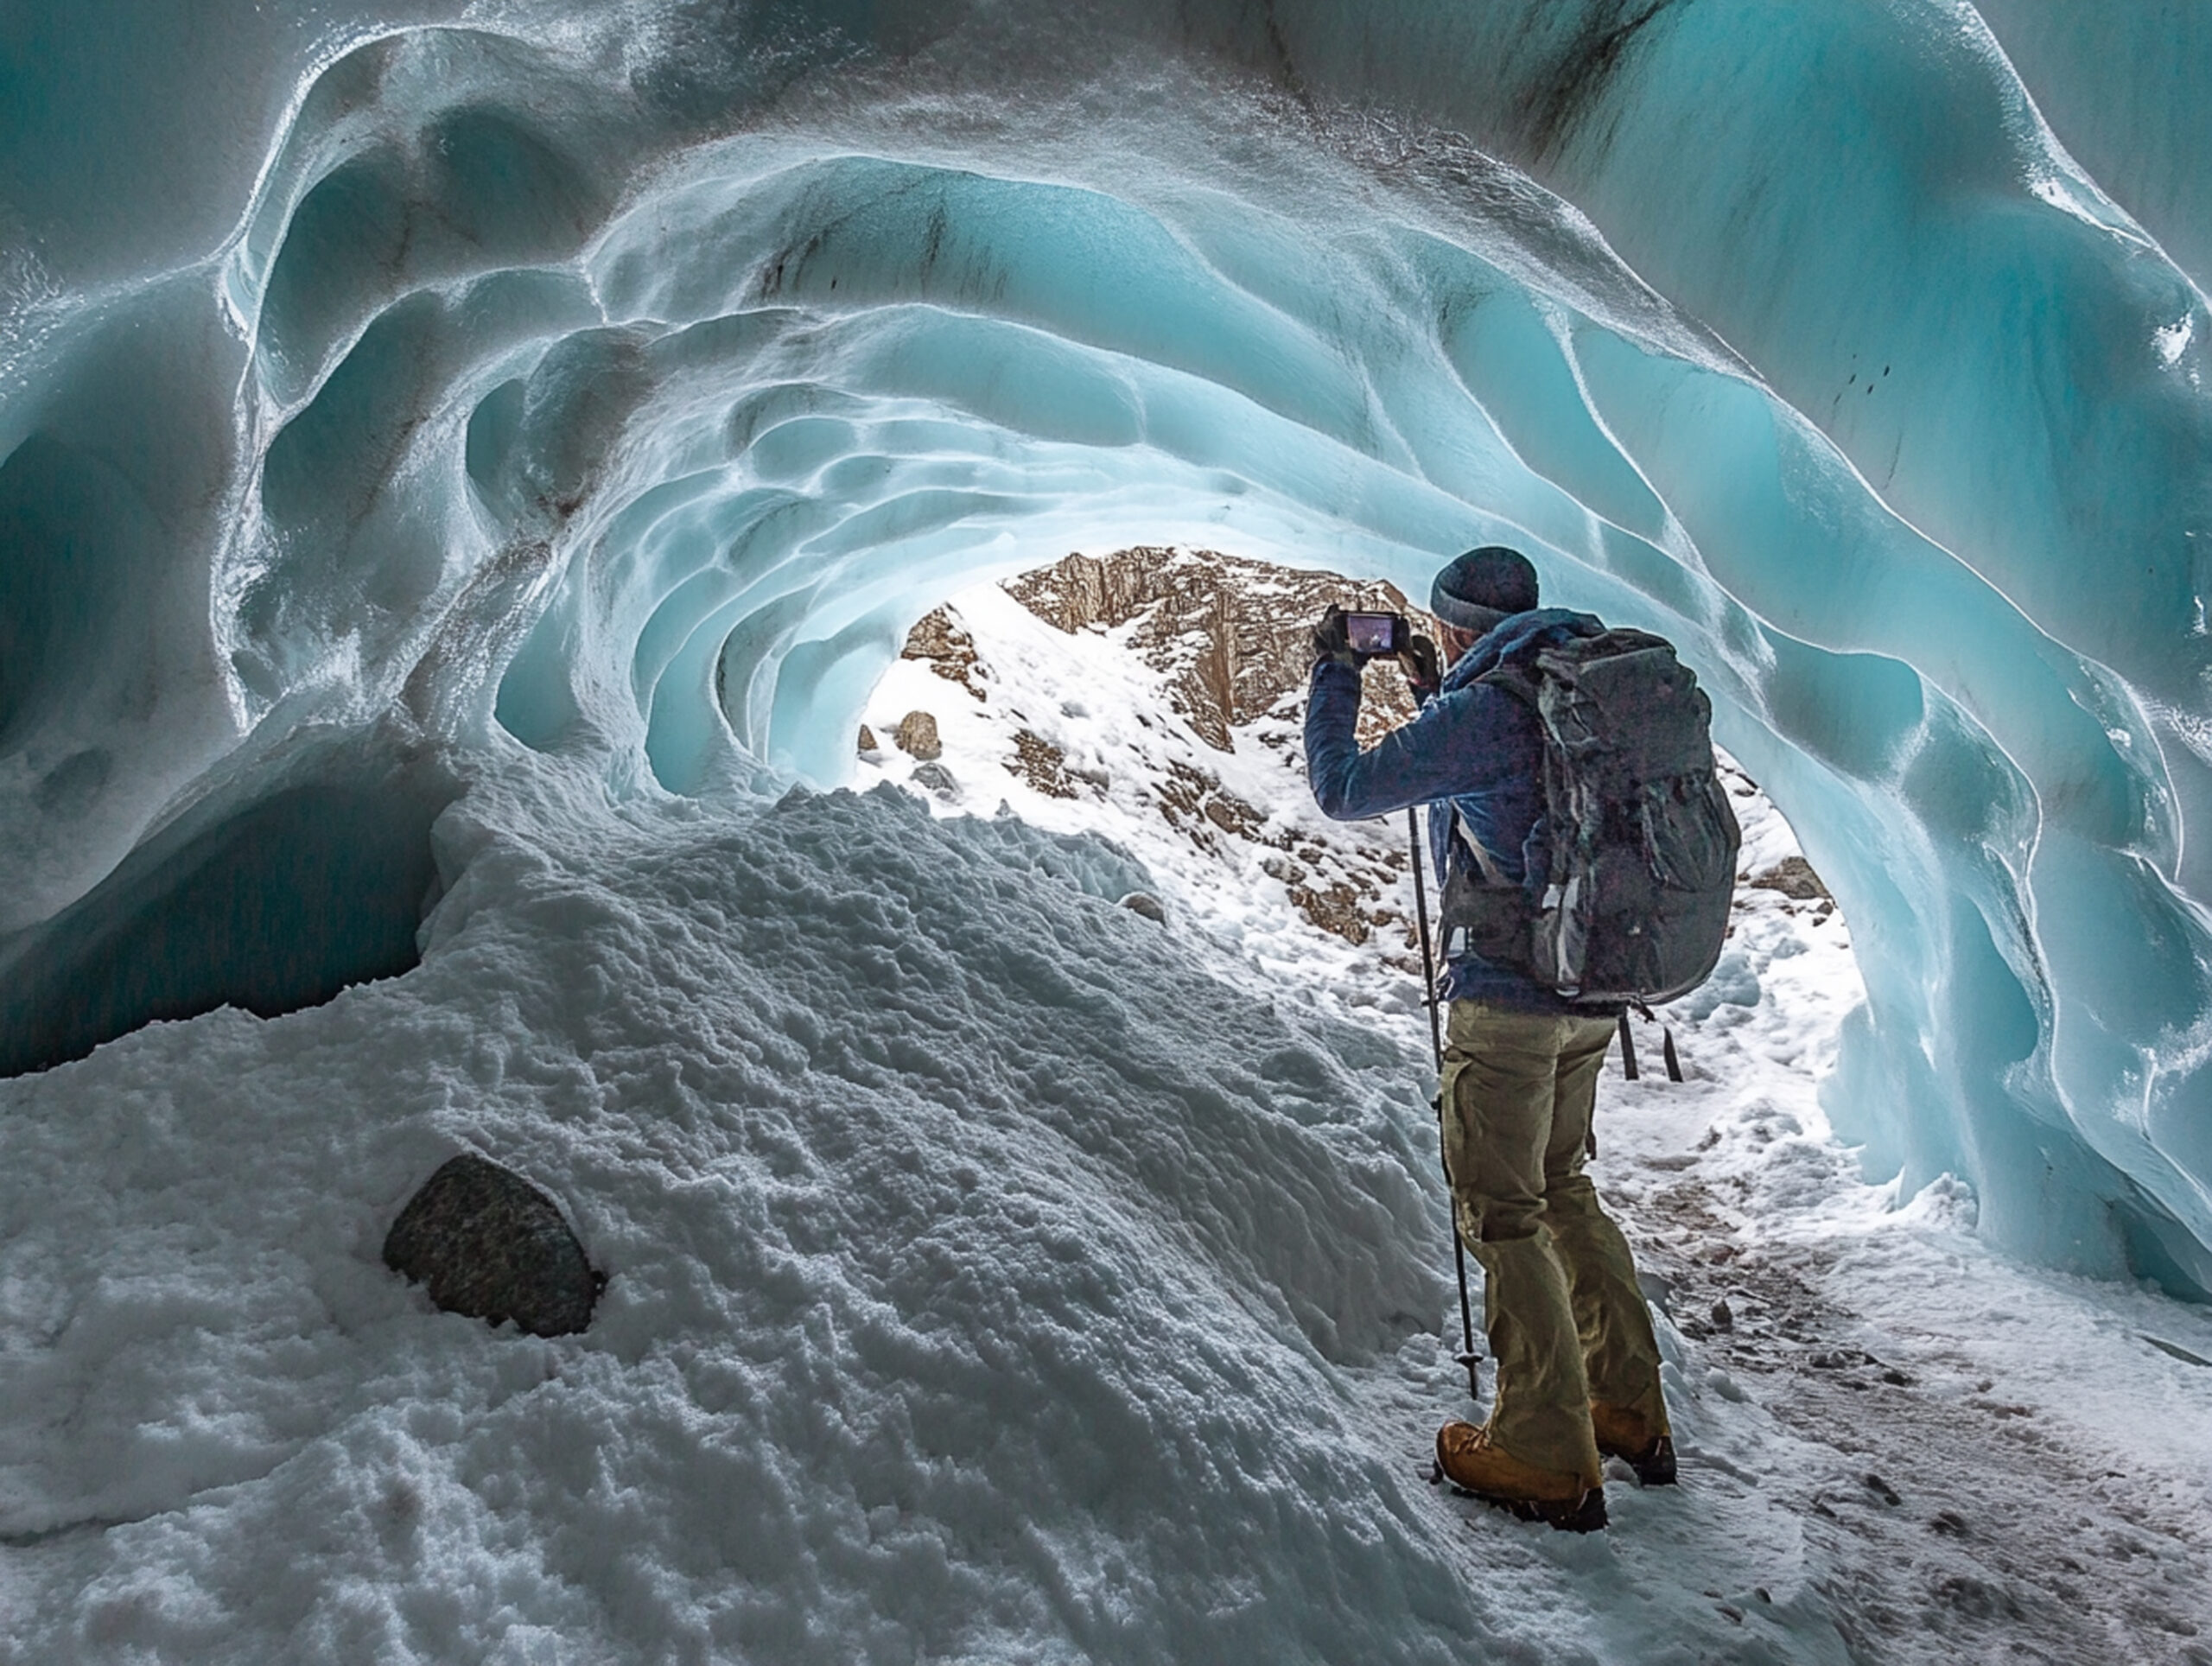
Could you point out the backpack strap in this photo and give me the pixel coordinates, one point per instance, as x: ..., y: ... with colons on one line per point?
x: 1488, y: 913
x: 1477, y: 852
x: 1483, y: 911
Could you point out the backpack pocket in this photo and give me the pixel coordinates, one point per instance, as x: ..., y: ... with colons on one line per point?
x: 1494, y: 918
x: 1689, y: 835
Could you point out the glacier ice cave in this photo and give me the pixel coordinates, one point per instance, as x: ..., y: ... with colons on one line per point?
x: 389, y: 391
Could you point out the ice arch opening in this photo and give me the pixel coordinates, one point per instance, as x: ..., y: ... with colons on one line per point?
x: 617, y: 392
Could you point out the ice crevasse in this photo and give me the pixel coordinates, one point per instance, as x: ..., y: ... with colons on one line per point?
x: 614, y: 385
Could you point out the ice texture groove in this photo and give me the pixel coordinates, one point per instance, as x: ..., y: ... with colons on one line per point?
x: 618, y: 384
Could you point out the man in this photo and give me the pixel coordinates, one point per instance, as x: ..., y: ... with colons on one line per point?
x: 1578, y: 1365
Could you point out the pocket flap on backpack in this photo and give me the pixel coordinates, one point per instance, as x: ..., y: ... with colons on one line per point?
x: 1689, y: 832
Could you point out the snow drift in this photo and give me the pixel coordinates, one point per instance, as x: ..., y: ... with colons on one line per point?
x: 982, y: 1270
x: 617, y: 385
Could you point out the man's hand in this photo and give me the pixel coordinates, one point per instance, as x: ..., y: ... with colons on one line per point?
x: 1419, y: 661
x: 1332, y: 641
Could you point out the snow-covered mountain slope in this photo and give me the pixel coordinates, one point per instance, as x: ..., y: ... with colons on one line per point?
x: 997, y: 1275
x: 1079, y: 733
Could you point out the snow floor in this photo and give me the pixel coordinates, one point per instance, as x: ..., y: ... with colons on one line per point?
x: 998, y: 1275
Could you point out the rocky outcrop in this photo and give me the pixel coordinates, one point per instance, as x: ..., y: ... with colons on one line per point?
x: 1794, y: 877
x: 1042, y: 764
x: 943, y: 642
x: 1233, y: 635
x: 1233, y: 638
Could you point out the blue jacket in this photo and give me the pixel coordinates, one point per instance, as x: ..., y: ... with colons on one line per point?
x: 1474, y: 749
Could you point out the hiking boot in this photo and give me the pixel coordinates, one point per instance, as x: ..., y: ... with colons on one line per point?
x: 1470, y: 1462
x: 1625, y: 1435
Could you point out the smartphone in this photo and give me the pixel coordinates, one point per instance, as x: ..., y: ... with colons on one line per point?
x: 1376, y: 634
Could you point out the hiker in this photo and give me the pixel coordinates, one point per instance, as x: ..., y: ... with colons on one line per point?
x: 1578, y: 1365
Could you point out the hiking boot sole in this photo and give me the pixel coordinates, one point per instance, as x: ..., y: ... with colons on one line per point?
x: 1584, y: 1515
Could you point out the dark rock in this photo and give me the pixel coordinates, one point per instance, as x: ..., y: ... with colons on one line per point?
x: 1143, y: 902
x: 937, y: 779
x: 490, y: 1245
x: 868, y: 739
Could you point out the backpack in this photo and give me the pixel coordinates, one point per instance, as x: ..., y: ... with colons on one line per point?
x: 1628, y: 897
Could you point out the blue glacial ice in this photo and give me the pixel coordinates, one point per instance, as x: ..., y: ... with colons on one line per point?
x: 443, y: 382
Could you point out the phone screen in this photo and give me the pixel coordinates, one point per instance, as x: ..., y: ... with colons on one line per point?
x: 1372, y: 632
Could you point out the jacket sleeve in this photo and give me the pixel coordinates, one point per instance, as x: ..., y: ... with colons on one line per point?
x: 1447, y: 751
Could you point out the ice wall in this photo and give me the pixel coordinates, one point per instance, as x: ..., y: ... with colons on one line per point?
x: 620, y: 382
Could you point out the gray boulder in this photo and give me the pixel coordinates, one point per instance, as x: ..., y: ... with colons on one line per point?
x: 490, y: 1245
x: 1143, y: 902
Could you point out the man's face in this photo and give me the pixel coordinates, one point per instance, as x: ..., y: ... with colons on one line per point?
x: 1456, y: 641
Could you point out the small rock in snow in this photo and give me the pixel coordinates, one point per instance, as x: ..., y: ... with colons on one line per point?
x: 937, y: 779
x: 1143, y: 902
x: 917, y: 733
x: 1794, y: 877
x: 868, y: 739
x: 493, y: 1246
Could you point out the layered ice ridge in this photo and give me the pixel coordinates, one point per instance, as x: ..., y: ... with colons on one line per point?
x: 622, y: 384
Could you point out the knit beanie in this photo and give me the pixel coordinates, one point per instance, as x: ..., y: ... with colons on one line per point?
x: 1479, y: 590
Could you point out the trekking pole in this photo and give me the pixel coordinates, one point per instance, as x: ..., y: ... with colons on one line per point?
x: 1467, y: 1357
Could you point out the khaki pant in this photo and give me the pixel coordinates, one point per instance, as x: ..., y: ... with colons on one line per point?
x: 1566, y: 1322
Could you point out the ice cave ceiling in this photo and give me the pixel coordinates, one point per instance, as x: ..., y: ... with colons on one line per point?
x: 617, y: 383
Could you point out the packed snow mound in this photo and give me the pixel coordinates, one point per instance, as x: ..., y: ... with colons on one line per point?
x: 622, y: 382
x: 982, y: 1270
